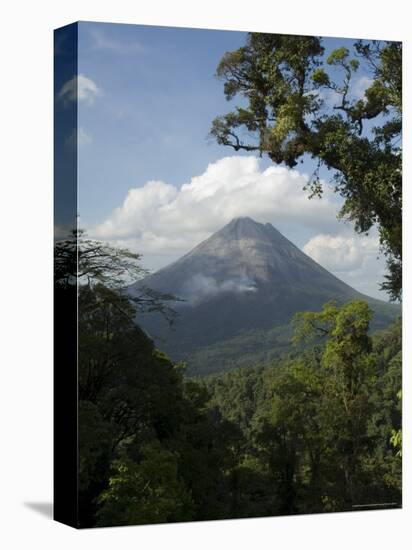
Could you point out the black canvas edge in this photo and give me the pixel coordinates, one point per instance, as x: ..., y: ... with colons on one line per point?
x: 65, y: 384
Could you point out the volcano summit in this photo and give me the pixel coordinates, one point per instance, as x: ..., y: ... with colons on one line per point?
x: 240, y: 288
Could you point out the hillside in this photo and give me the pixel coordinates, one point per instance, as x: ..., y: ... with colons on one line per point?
x: 240, y: 288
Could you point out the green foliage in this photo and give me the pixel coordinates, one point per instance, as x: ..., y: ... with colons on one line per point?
x: 310, y: 433
x: 126, y: 388
x: 396, y: 441
x: 338, y: 56
x: 283, y: 81
x: 316, y: 431
x: 320, y: 77
x: 319, y: 424
x: 145, y: 492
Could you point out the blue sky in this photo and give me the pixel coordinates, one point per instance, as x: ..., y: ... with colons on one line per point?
x: 147, y: 96
x: 158, y: 99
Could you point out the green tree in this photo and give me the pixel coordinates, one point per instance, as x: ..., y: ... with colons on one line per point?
x: 349, y: 376
x: 145, y: 492
x: 208, y: 447
x: 286, y: 86
x: 128, y: 391
x: 387, y: 419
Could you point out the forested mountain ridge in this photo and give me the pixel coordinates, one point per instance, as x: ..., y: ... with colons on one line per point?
x: 240, y: 289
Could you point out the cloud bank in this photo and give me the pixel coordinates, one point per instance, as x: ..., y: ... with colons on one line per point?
x: 163, y: 222
x: 159, y: 216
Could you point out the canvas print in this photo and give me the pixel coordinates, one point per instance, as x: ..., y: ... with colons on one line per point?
x: 228, y: 274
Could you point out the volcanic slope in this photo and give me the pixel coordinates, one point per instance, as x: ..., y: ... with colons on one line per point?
x: 240, y: 288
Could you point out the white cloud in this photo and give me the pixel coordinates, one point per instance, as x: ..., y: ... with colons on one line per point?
x: 342, y: 252
x: 159, y: 218
x: 163, y: 222
x: 353, y: 258
x: 80, y: 88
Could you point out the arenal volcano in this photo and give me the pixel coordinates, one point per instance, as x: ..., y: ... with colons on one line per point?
x: 241, y: 287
